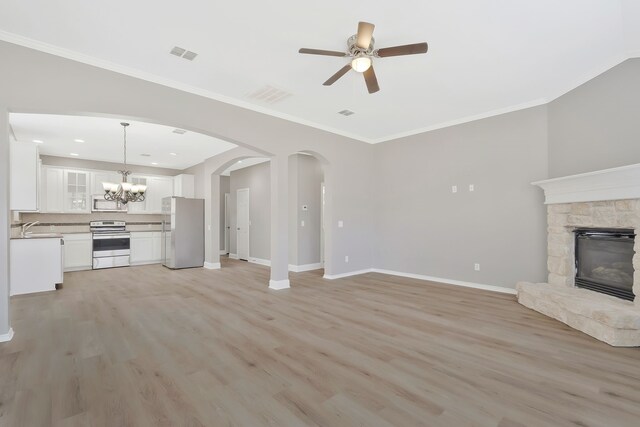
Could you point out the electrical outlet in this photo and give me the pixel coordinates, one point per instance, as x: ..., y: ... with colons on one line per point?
x: 476, y: 267
x: 340, y: 224
x: 454, y: 188
x: 302, y: 223
x: 471, y: 187
x: 346, y: 258
x: 52, y: 227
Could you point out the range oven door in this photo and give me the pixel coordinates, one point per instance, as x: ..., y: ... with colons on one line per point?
x: 111, y: 245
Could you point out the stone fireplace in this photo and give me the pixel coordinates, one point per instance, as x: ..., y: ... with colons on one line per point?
x: 610, y: 200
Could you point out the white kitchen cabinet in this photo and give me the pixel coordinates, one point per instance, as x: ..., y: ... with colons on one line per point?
x: 184, y: 185
x: 157, y: 189
x: 78, y: 252
x: 139, y: 207
x: 25, y: 177
x: 36, y: 265
x: 146, y: 247
x: 52, y: 190
x: 77, y: 191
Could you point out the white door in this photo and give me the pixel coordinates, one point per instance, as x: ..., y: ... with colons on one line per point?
x: 226, y: 223
x: 242, y: 223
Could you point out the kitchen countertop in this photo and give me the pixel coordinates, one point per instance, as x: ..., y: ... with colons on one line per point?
x: 39, y: 236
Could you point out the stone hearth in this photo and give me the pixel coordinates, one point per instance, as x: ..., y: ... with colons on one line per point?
x: 603, y: 199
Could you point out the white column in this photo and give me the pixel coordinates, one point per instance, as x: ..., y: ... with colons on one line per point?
x: 212, y: 220
x: 6, y: 332
x: 279, y: 222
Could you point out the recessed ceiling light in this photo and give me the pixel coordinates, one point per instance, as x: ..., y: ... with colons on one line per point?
x: 239, y: 161
x: 78, y: 140
x: 173, y: 154
x: 153, y: 163
x: 145, y: 155
x: 179, y: 131
x: 74, y: 154
x: 38, y: 141
x: 346, y: 112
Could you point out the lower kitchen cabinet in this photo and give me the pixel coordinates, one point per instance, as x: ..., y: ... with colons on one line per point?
x: 36, y: 265
x: 78, y: 252
x: 146, y: 247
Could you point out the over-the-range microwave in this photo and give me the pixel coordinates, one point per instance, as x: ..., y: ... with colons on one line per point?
x: 100, y: 204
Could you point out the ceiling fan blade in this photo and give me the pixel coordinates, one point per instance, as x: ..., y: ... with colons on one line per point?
x: 365, y: 32
x: 322, y: 52
x: 337, y: 75
x: 408, y: 49
x: 371, y: 80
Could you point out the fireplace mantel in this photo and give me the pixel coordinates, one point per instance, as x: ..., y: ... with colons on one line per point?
x: 609, y: 184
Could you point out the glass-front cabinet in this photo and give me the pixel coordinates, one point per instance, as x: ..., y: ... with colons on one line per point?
x: 138, y: 207
x: 77, y: 195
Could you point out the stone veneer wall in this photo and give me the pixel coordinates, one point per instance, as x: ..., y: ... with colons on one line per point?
x: 563, y: 219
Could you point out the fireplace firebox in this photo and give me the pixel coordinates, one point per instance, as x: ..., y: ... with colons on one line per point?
x: 604, y: 261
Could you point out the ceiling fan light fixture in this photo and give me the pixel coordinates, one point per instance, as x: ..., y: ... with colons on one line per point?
x: 361, y: 63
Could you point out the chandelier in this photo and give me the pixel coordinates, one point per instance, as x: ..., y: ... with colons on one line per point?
x: 124, y: 192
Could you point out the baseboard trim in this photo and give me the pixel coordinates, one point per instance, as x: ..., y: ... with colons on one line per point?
x: 145, y: 263
x: 223, y: 252
x: 260, y: 261
x: 233, y: 256
x: 447, y: 281
x: 348, y: 274
x: 212, y: 265
x: 305, y: 267
x: 279, y: 284
x: 7, y: 337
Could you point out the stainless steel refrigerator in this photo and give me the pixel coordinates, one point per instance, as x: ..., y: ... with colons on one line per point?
x: 182, y: 232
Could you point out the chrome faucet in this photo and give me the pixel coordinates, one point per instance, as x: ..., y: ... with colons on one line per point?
x: 27, y: 226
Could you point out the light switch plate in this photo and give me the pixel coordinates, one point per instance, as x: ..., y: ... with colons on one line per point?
x: 340, y: 224
x: 346, y: 258
x: 476, y: 267
x: 471, y: 187
x: 302, y: 223
x: 454, y: 188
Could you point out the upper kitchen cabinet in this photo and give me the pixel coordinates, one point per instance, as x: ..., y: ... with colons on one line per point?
x: 184, y: 186
x: 139, y: 207
x: 52, y: 194
x: 77, y: 194
x: 157, y: 189
x: 25, y: 177
x: 65, y: 190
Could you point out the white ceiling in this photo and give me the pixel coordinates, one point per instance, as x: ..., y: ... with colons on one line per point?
x: 103, y: 140
x: 485, y: 56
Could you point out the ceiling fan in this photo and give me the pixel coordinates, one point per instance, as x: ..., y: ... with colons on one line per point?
x: 360, y: 47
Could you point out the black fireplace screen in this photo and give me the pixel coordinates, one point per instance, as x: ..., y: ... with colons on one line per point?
x: 604, y: 261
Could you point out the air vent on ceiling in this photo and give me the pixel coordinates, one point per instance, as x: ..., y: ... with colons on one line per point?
x: 270, y: 95
x: 183, y: 53
x: 346, y: 112
x: 179, y: 131
x: 177, y: 51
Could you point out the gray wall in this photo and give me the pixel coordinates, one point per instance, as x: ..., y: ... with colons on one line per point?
x: 423, y: 228
x: 105, y: 166
x: 308, y: 179
x: 257, y: 179
x: 597, y: 125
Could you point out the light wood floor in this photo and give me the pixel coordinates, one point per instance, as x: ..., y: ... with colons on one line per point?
x: 146, y: 346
